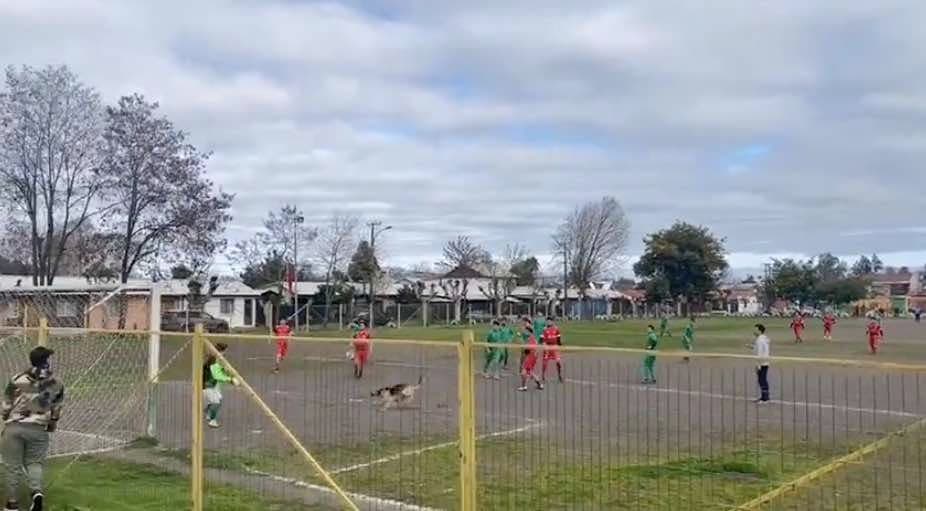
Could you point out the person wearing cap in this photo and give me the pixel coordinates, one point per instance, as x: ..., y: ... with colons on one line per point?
x: 32, y: 405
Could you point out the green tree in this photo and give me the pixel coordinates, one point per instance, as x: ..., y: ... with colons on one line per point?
x: 684, y: 260
x: 271, y: 269
x: 876, y: 264
x: 843, y: 291
x: 862, y: 266
x: 794, y: 280
x: 830, y: 268
x: 525, y: 271
x: 180, y: 271
x: 363, y: 264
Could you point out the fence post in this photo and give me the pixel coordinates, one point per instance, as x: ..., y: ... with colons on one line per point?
x: 467, y: 414
x: 340, y: 316
x: 196, y: 451
x: 43, y: 331
x: 154, y: 357
x: 398, y: 315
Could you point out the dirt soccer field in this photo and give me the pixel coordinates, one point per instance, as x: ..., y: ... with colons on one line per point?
x: 601, y: 440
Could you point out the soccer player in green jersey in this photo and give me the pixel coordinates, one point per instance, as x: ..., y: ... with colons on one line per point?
x: 494, y: 354
x: 540, y: 324
x: 688, y: 336
x: 508, y: 335
x: 664, y: 327
x: 649, y: 361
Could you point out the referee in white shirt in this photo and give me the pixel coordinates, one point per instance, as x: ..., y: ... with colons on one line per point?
x: 762, y: 351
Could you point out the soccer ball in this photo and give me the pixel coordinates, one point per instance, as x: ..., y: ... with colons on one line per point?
x: 350, y: 355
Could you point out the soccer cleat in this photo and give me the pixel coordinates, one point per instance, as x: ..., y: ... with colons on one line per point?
x: 213, y: 423
x: 522, y: 388
x: 496, y: 377
x: 37, y: 500
x: 11, y: 505
x: 539, y: 386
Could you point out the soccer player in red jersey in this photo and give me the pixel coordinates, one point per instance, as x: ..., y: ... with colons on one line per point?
x: 529, y: 358
x: 283, y: 333
x: 797, y: 326
x: 875, y: 334
x: 829, y: 321
x: 362, y: 343
x: 552, y: 340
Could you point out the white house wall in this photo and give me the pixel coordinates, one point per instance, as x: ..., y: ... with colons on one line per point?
x: 236, y: 318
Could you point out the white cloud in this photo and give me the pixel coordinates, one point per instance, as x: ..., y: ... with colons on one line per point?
x: 495, y: 120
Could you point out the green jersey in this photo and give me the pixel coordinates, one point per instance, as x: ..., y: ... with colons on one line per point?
x: 652, y: 340
x: 496, y: 335
x: 539, y: 326
x: 663, y: 327
x: 508, y: 334
x: 688, y: 334
x: 215, y: 375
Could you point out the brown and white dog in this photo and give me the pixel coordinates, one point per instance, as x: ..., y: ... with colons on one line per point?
x: 397, y: 395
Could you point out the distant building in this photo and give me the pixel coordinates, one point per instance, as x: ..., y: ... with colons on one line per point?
x: 897, y: 293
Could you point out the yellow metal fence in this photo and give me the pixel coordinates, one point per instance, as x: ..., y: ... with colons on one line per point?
x: 837, y: 434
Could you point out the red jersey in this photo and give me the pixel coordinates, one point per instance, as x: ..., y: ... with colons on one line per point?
x: 530, y: 347
x: 551, y: 335
x: 797, y: 324
x: 829, y: 321
x: 875, y: 331
x: 283, y: 332
x: 362, y: 340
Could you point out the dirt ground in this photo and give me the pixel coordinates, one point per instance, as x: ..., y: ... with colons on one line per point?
x: 601, y: 409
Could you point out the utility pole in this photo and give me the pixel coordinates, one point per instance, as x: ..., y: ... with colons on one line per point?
x: 297, y: 221
x: 565, y: 282
x: 373, y: 234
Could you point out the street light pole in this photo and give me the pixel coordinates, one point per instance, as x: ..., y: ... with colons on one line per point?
x: 297, y: 221
x: 373, y: 234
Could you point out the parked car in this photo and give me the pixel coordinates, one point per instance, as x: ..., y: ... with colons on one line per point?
x: 381, y: 319
x: 187, y: 321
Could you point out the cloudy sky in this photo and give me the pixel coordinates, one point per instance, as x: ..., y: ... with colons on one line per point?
x: 788, y: 128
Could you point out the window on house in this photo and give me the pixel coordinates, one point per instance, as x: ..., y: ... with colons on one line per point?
x: 65, y: 308
x: 248, y: 312
x: 227, y: 306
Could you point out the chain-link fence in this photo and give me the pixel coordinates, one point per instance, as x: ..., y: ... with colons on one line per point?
x: 151, y: 422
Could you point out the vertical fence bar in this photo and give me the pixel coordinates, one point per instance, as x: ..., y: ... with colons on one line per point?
x: 467, y: 412
x: 154, y: 358
x: 43, y: 331
x: 196, y: 449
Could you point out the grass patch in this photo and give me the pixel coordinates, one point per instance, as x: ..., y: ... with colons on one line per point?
x: 97, y: 484
x: 516, y: 474
x: 713, y: 335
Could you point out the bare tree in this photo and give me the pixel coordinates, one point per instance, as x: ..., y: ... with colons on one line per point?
x: 162, y: 200
x: 455, y: 290
x: 592, y: 240
x: 462, y: 251
x: 281, y: 236
x: 50, y: 148
x: 501, y: 281
x: 333, y: 251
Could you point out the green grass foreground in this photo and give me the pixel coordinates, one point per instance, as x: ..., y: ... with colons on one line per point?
x: 99, y: 484
x: 512, y: 475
